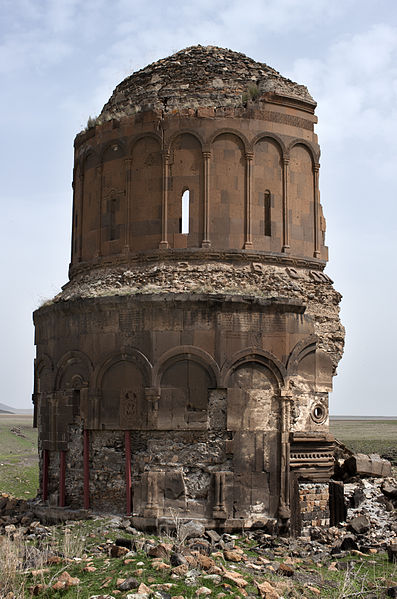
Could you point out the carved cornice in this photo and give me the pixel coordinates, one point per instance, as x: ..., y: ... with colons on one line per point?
x: 200, y: 254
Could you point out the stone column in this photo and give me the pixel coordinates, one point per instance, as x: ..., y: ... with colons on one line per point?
x: 152, y: 506
x: 219, y: 509
x: 99, y: 171
x: 127, y: 164
x: 128, y: 486
x: 285, y: 454
x: 248, y: 201
x: 74, y: 211
x: 80, y: 227
x: 316, y: 169
x: 206, y: 243
x: 286, y: 245
x: 164, y: 223
x: 86, y: 468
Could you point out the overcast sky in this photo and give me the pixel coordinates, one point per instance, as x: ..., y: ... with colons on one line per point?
x: 61, y: 59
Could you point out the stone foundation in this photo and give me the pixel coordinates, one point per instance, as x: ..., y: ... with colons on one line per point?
x: 314, y: 504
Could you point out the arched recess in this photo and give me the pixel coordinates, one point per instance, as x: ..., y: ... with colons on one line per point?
x: 113, y: 198
x: 73, y: 376
x: 312, y: 150
x: 189, y: 352
x: 74, y: 370
x: 253, y: 380
x: 146, y: 193
x: 89, y: 217
x: 247, y: 147
x: 267, y: 196
x: 254, y: 354
x: 184, y: 379
x: 43, y: 385
x: 311, y: 366
x: 185, y: 174
x: 227, y: 192
x: 301, y: 349
x: 121, y: 380
x: 44, y: 375
x: 254, y: 417
x: 301, y: 200
x: 252, y: 398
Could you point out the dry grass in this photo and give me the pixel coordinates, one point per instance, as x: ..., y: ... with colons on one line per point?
x: 71, y: 544
x: 11, y: 559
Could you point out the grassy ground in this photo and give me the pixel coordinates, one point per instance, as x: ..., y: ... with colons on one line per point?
x: 83, y: 551
x: 368, y: 436
x: 83, y: 547
x: 18, y: 455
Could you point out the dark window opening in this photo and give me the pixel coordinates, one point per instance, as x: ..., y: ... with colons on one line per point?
x: 267, y: 214
x: 76, y: 402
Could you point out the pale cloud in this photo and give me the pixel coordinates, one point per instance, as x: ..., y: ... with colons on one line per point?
x: 355, y: 85
x: 29, y: 50
x: 142, y: 37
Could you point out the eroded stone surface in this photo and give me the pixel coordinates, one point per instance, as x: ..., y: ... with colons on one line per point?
x: 183, y: 372
x: 199, y: 76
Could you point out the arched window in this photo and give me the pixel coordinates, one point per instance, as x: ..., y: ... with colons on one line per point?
x: 267, y: 213
x: 184, y: 220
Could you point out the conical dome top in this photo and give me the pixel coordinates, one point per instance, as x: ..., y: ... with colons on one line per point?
x: 198, y: 76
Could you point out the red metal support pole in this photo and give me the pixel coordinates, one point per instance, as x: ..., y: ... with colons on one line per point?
x: 86, y: 469
x: 45, y: 474
x: 62, y: 465
x: 127, y: 446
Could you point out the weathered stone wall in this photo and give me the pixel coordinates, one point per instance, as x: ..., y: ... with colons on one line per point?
x: 74, y: 475
x: 107, y: 471
x: 129, y: 182
x: 188, y: 373
x: 314, y: 498
x: 199, y: 76
x: 242, y: 277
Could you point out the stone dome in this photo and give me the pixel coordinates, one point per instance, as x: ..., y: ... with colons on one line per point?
x: 199, y: 76
x: 184, y: 369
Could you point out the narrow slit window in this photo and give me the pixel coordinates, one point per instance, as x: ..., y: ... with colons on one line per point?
x: 184, y: 221
x: 267, y: 214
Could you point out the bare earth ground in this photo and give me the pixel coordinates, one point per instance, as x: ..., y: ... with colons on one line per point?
x: 18, y: 455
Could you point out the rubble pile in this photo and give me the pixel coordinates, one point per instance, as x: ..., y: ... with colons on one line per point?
x: 206, y: 562
x: 124, y: 560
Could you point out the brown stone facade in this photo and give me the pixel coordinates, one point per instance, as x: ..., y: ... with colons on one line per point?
x: 184, y: 369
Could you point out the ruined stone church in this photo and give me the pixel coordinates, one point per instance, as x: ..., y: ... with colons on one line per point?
x: 184, y: 369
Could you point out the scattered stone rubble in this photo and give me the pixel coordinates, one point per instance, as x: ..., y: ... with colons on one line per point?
x: 200, y: 557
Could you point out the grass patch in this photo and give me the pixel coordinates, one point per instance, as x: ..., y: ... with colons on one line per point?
x: 368, y: 436
x: 83, y: 545
x: 19, y: 473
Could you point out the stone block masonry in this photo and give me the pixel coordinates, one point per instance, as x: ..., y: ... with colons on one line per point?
x: 184, y: 368
x: 314, y: 504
